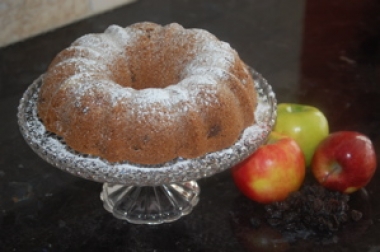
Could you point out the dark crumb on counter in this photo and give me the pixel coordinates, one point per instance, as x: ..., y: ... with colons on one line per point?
x: 255, y: 222
x: 312, y: 212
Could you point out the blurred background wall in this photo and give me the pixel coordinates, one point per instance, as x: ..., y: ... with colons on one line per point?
x: 20, y: 19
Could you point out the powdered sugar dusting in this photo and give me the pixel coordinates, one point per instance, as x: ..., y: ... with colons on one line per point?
x: 213, y: 57
x: 212, y: 60
x: 78, y: 78
x: 216, y: 73
x: 141, y: 57
x: 109, y: 45
x: 205, y: 79
x: 118, y: 94
x: 53, y: 150
x: 123, y: 36
x: 99, y: 41
x: 91, y: 53
x: 151, y: 95
x: 82, y: 65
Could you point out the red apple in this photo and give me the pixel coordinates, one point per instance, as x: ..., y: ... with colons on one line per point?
x: 273, y: 171
x: 345, y: 161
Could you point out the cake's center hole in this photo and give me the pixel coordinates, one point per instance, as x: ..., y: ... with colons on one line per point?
x: 155, y: 61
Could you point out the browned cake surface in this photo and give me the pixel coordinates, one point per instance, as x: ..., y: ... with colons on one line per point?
x: 147, y: 94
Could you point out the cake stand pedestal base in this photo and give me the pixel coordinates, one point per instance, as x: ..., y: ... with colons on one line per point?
x: 150, y: 204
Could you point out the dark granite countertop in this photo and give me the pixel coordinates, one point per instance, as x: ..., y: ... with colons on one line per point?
x: 323, y: 53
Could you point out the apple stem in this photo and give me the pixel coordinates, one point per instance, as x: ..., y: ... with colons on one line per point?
x: 335, y: 169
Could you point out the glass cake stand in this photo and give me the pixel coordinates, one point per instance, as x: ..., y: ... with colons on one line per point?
x: 146, y: 194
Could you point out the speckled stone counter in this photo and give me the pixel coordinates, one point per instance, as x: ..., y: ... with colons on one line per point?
x: 323, y: 53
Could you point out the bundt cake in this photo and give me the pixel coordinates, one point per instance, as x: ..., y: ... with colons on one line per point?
x: 147, y: 94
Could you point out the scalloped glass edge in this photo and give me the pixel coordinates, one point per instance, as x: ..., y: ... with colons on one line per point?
x: 54, y: 151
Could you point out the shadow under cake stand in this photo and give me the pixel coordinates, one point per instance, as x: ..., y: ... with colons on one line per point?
x: 146, y: 194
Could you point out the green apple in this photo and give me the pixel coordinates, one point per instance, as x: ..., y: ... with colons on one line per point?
x: 307, y: 125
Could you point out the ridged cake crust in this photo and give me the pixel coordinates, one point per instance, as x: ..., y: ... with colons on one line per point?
x: 147, y: 94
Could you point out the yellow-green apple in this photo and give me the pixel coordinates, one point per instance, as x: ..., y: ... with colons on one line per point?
x: 345, y: 161
x: 273, y: 171
x: 305, y: 124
